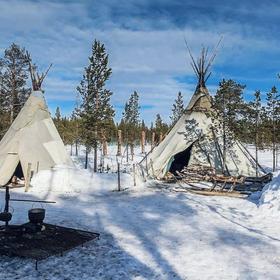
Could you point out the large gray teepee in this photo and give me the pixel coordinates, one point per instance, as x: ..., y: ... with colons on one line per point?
x: 32, y: 138
x: 193, y: 139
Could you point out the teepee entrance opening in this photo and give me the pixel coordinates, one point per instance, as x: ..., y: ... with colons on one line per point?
x: 18, y: 176
x: 181, y: 160
x: 18, y: 172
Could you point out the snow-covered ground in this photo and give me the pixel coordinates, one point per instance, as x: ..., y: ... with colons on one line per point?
x: 148, y: 233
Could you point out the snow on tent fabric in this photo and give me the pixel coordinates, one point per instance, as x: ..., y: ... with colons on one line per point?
x: 32, y: 138
x: 203, y: 149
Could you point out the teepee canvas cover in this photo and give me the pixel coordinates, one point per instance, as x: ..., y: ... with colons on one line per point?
x: 200, y: 144
x: 32, y: 138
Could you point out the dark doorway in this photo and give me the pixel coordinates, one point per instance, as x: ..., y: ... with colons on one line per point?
x: 180, y: 160
x: 18, y: 171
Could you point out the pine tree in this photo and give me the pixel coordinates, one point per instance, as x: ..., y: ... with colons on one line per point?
x: 161, y: 128
x: 273, y: 115
x: 228, y: 103
x: 178, y: 109
x: 131, y: 117
x: 14, y: 77
x: 143, y: 125
x: 131, y: 114
x: 95, y: 110
x: 4, y: 115
x: 57, y: 114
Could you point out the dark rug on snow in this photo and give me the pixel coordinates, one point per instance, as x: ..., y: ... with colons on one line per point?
x: 24, y: 241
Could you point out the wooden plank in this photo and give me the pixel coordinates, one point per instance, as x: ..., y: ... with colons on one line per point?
x: 219, y: 193
x: 28, y: 177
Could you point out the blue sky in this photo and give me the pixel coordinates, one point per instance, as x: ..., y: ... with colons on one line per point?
x: 145, y: 42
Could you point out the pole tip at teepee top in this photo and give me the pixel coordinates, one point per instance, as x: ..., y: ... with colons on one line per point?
x: 36, y: 78
x: 202, y: 65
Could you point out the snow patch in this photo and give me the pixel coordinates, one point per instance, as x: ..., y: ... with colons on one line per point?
x: 68, y: 180
x: 270, y: 198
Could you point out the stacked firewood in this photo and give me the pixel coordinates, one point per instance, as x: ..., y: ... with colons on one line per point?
x: 197, y: 173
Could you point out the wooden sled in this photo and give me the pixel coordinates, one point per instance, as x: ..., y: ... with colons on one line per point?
x: 219, y: 193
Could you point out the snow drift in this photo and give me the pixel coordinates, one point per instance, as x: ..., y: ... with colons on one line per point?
x: 270, y: 198
x: 67, y: 180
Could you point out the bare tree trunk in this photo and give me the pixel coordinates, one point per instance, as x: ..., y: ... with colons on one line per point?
x: 274, y: 157
x: 104, y: 144
x: 11, y: 115
x: 160, y: 137
x: 76, y: 147
x: 224, y: 154
x: 153, y: 140
x: 95, y: 151
x: 276, y: 161
x: 86, y: 161
x: 273, y: 148
x: 13, y: 97
x: 132, y: 151
x: 105, y: 148
x: 257, y: 159
x: 126, y: 152
x: 143, y: 136
x: 119, y: 152
x: 224, y: 137
x: 95, y: 158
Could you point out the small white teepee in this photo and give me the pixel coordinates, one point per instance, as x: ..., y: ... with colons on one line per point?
x: 198, y: 144
x: 32, y: 138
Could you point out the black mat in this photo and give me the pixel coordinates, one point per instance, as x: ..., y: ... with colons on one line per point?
x: 20, y: 242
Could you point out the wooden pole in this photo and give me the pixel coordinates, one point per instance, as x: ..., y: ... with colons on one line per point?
x: 76, y: 148
x: 119, y: 152
x: 7, y: 200
x: 134, y: 175
x: 119, y: 177
x: 146, y: 163
x: 104, y: 144
x: 86, y: 160
x: 28, y: 177
x: 153, y: 140
x: 143, y: 136
x: 37, y: 166
x: 160, y: 137
x: 152, y: 167
x: 126, y: 152
x: 132, y: 151
x: 95, y: 150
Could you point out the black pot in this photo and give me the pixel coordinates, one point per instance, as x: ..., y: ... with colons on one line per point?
x: 36, y: 215
x: 5, y: 216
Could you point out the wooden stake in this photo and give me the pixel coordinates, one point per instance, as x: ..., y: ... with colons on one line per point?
x: 146, y: 163
x: 143, y: 137
x: 119, y: 143
x: 126, y: 152
x: 160, y: 137
x: 119, y: 177
x: 152, y: 167
x: 104, y: 143
x: 7, y: 202
x: 134, y: 175
x: 28, y: 177
x: 105, y: 147
x: 37, y: 166
x: 153, y: 140
x: 132, y: 151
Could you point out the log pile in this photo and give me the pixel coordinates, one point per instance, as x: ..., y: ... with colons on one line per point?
x: 197, y: 173
x: 221, y: 184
